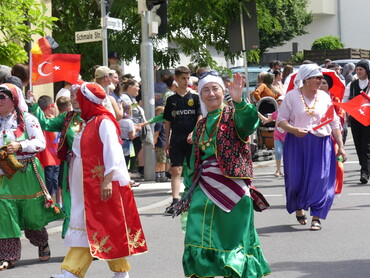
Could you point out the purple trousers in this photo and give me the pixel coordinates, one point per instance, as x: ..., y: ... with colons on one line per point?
x: 309, y: 167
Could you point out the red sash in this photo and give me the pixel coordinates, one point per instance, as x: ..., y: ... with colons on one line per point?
x: 113, y: 227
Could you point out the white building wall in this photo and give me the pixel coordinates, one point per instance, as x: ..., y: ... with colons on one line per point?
x: 344, y: 18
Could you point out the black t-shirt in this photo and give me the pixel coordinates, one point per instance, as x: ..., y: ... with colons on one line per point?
x: 183, y: 113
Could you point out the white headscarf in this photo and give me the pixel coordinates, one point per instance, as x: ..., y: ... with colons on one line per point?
x: 305, y: 72
x: 209, y: 78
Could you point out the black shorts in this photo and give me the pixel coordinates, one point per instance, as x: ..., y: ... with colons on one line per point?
x: 179, y: 152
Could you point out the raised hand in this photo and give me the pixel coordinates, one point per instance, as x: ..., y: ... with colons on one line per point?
x: 236, y: 88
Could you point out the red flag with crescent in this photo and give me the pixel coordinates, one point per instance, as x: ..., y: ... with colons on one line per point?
x: 358, y: 108
x: 327, y: 118
x: 55, y: 67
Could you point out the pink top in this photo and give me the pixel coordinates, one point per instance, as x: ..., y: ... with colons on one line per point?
x: 292, y: 110
x: 279, y: 133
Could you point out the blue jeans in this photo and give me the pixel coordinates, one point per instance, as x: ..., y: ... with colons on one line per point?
x: 278, y: 145
x: 51, y: 178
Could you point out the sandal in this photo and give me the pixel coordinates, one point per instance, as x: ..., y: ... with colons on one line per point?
x: 277, y: 174
x: 315, y: 225
x: 302, y: 219
x: 4, y: 265
x: 44, y: 252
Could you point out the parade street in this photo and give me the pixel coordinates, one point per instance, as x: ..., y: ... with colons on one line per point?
x: 339, y: 250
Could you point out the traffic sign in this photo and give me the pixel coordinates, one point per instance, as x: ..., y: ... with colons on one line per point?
x: 114, y: 23
x: 88, y: 36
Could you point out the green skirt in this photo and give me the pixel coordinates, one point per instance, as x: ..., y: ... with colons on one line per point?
x: 222, y: 244
x: 22, y: 203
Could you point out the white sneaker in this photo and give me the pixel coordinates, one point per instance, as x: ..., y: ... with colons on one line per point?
x: 64, y: 274
x: 120, y: 275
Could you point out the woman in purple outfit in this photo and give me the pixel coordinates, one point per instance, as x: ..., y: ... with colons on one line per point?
x: 309, y: 156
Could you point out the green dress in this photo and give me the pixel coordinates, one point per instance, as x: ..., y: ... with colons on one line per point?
x: 56, y: 125
x: 218, y: 243
x: 22, y: 201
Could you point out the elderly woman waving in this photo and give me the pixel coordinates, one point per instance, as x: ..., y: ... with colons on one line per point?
x: 25, y: 203
x: 221, y: 239
x: 309, y: 155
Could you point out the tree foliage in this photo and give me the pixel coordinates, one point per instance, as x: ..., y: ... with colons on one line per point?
x: 327, y: 43
x: 193, y: 25
x: 14, y: 17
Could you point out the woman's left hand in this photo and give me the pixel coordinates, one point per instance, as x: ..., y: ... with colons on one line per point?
x: 13, y: 147
x: 342, y: 152
x: 105, y: 191
x: 236, y: 88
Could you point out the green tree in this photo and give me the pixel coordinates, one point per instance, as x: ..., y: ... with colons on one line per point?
x: 14, y: 17
x: 193, y: 25
x: 327, y: 43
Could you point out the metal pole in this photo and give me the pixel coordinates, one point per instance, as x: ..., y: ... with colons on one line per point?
x: 147, y: 88
x: 104, y: 32
x: 244, y: 51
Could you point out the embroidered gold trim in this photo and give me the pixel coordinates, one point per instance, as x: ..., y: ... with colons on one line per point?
x: 98, y: 246
x: 98, y: 171
x: 134, y: 240
x: 21, y: 197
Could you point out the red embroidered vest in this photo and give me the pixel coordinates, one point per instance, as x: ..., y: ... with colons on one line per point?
x: 113, y: 227
x: 232, y: 153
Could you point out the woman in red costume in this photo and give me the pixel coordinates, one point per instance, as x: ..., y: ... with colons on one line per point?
x: 104, y: 222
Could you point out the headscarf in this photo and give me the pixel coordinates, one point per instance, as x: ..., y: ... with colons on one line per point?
x: 207, y: 77
x: 365, y: 65
x: 90, y: 96
x: 12, y: 91
x: 306, y: 71
x: 329, y: 80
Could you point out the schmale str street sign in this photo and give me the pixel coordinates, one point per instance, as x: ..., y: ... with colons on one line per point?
x: 88, y: 36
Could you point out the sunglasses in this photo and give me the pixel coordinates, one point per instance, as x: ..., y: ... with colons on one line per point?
x: 206, y: 73
x: 2, y: 97
x: 317, y: 77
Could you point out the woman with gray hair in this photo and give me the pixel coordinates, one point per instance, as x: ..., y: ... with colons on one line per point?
x: 348, y: 69
x: 217, y: 187
x: 309, y: 155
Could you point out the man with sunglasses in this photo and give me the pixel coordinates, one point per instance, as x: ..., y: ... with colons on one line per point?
x: 181, y: 113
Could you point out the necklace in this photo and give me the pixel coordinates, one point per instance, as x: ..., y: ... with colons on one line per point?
x: 309, y: 110
x: 205, y: 144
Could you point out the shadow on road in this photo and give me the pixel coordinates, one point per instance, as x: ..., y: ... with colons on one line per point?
x: 337, y: 269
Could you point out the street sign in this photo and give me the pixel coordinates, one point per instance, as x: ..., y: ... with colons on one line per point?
x: 114, y: 23
x: 88, y: 36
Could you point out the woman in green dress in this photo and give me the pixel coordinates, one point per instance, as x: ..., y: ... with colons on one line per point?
x: 25, y: 203
x: 67, y: 124
x: 220, y: 238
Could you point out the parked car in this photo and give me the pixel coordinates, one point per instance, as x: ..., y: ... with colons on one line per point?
x: 345, y: 61
x: 253, y: 72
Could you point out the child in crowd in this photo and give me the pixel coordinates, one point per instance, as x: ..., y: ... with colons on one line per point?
x: 160, y: 152
x: 279, y: 136
x: 127, y: 131
x: 64, y: 104
x: 48, y: 157
x: 127, y: 134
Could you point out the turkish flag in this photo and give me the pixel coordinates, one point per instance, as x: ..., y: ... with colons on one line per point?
x: 358, y: 108
x: 55, y: 67
x: 327, y: 118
